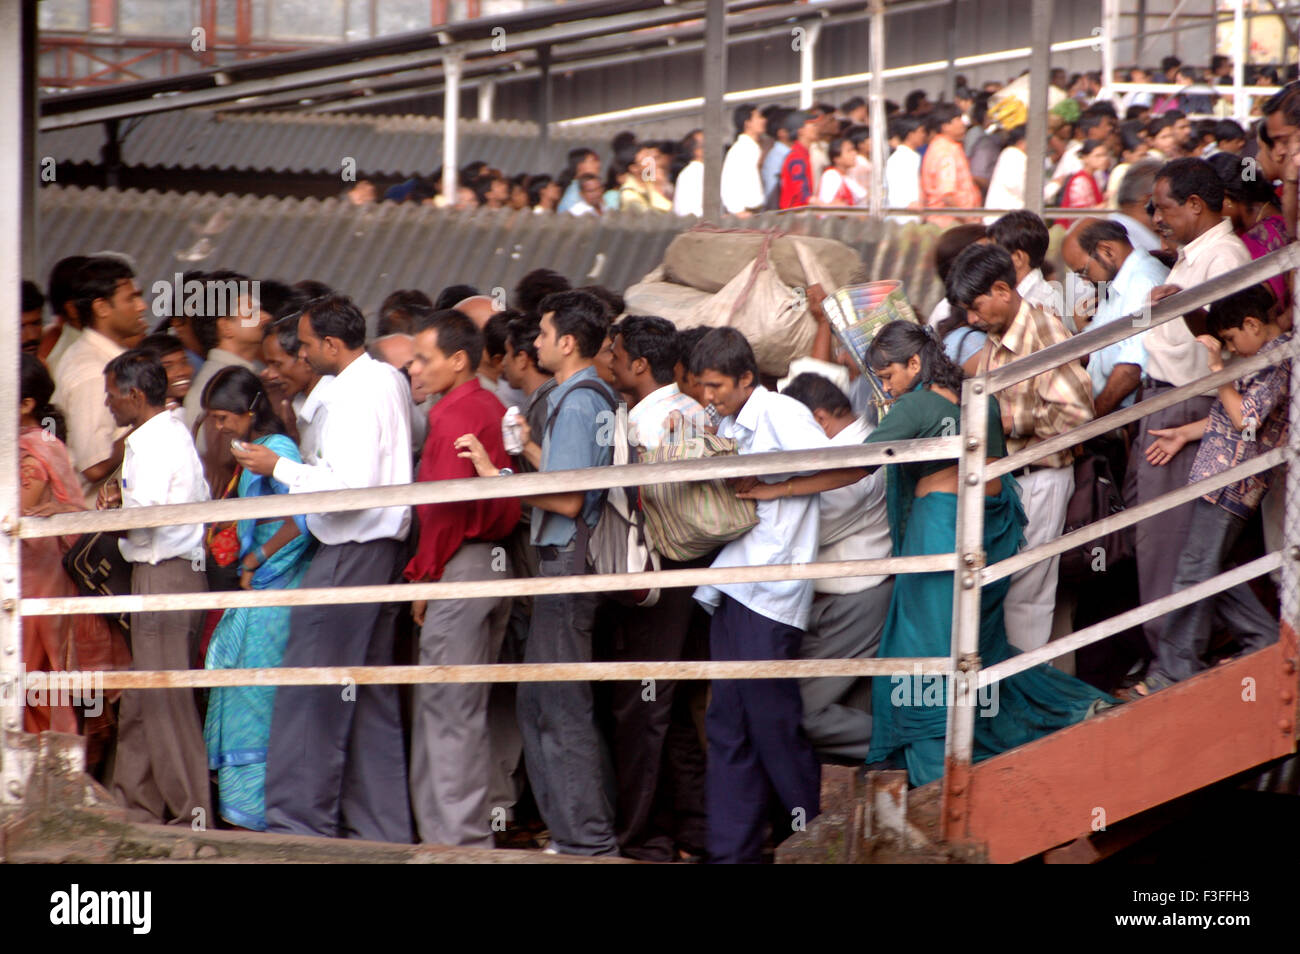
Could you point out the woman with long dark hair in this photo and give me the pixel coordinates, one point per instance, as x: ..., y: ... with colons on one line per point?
x: 909, y: 719
x: 273, y: 554
x: 85, y: 641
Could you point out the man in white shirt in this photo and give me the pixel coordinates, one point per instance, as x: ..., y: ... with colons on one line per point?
x: 591, y: 194
x: 742, y: 184
x: 1134, y: 192
x: 688, y: 190
x: 1188, y: 201
x: 290, y: 380
x: 336, y: 764
x: 903, y: 167
x: 161, y: 770
x: 107, y: 294
x: 650, y: 771
x: 1024, y: 235
x: 1007, y: 181
x: 848, y: 613
x: 757, y: 748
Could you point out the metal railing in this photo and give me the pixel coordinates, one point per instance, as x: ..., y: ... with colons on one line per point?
x: 967, y: 562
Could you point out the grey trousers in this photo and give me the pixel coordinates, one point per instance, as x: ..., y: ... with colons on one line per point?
x: 837, y: 709
x: 161, y: 771
x: 568, y: 766
x: 336, y: 763
x: 1158, y: 540
x: 1186, y: 638
x: 451, y: 754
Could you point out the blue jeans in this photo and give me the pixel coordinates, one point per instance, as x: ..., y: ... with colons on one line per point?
x: 1186, y: 637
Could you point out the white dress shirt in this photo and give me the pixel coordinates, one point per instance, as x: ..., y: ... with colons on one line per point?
x: 1037, y: 291
x: 830, y: 184
x: 1127, y: 294
x: 365, y: 441
x: 688, y: 193
x: 1173, y: 353
x: 647, y: 423
x: 742, y: 185
x: 309, y: 409
x: 854, y: 521
x: 80, y: 393
x: 1007, y: 182
x: 788, y: 527
x: 161, y: 466
x: 68, y: 336
x: 1139, y: 236
x: 902, y: 180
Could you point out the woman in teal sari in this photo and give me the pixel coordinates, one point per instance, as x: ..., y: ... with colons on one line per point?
x: 909, y: 711
x: 273, y: 554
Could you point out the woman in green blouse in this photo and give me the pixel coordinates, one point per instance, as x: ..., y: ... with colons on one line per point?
x: 909, y: 711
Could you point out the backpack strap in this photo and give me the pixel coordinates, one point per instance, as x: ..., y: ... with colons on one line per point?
x: 586, y: 384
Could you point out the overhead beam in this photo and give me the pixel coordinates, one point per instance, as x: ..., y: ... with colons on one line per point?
x: 715, y: 117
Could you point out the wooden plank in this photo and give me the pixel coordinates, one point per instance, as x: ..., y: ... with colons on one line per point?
x: 1136, y: 756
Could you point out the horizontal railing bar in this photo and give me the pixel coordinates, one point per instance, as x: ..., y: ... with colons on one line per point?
x: 1050, y: 213
x: 499, y: 672
x: 479, y: 488
x: 1130, y: 618
x: 474, y: 589
x: 1132, y: 515
x: 1124, y: 415
x: 1167, y: 309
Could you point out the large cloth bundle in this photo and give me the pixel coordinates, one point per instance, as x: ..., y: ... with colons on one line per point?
x: 685, y: 521
x: 708, y: 259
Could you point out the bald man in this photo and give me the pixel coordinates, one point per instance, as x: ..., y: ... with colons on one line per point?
x: 1099, y: 251
x: 399, y: 350
x: 478, y: 308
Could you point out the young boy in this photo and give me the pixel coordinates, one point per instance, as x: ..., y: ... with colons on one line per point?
x: 1248, y: 418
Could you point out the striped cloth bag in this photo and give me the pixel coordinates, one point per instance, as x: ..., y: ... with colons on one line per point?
x: 685, y: 521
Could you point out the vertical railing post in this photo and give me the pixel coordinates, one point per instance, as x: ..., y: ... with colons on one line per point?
x: 1109, y: 27
x: 1240, y: 109
x: 1290, y: 595
x: 13, y: 770
x: 962, y: 695
x: 451, y: 70
x: 879, y: 124
x: 1036, y: 127
x: 808, y: 64
x: 715, y: 114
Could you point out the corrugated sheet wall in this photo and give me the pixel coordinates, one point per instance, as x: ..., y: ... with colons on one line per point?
x: 370, y: 251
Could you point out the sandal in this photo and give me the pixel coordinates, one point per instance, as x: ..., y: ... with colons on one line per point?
x: 1140, y: 690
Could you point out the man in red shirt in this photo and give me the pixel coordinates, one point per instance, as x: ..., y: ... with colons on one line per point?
x: 797, y: 185
x: 450, y: 746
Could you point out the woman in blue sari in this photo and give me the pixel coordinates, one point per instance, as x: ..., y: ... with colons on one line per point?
x: 909, y: 712
x: 274, y: 554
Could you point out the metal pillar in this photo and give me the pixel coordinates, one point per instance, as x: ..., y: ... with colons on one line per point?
x: 31, y: 162
x: 486, y: 94
x: 1240, y: 49
x: 950, y: 41
x: 807, y: 64
x: 13, y: 771
x: 879, y: 124
x: 715, y: 115
x: 451, y: 70
x: 1036, y: 128
x: 1109, y: 30
x: 544, y: 117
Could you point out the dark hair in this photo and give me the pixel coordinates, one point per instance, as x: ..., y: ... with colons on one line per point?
x: 1240, y: 180
x: 837, y: 146
x: 726, y: 351
x: 535, y: 286
x: 286, y: 333
x: 1231, y: 312
x: 63, y: 285
x: 395, y: 316
x: 1088, y: 145
x: 1102, y: 107
x: 456, y: 331
x: 98, y: 278
x: 535, y: 186
x: 688, y: 339
x: 740, y: 115
x: 522, y: 334
x: 612, y: 300
x: 952, y: 242
x: 817, y: 393
x: 313, y: 288
x: 452, y: 295
x: 852, y: 103
x: 335, y: 316
x: 273, y: 295
x: 1159, y: 124
x: 656, y: 340
x: 162, y: 344
x: 237, y: 390
x: 1170, y: 63
x: 914, y: 99
x: 793, y: 121
x: 858, y: 135
x: 1022, y: 231
x: 1193, y: 177
x: 1130, y: 135
x: 900, y: 127
x: 1103, y: 230
x: 579, y: 314
x: 1227, y: 129
x: 941, y: 115
x: 1013, y: 135
x: 140, y: 371
x: 39, y: 386
x: 975, y: 272
x: 495, y: 332
x: 1261, y: 131
x: 898, y: 341
x: 33, y: 297
x: 1090, y: 121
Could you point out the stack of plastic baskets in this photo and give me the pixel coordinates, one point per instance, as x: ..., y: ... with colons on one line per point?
x: 857, y: 313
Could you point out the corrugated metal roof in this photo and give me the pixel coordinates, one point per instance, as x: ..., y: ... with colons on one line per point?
x: 370, y: 251
x: 387, y: 146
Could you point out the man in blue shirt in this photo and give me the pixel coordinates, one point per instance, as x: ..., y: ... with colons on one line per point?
x: 757, y: 746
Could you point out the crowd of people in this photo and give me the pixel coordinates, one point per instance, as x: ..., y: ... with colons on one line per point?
x: 282, y: 391
x: 967, y: 153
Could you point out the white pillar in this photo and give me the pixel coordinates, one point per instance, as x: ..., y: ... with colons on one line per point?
x: 879, y: 124
x: 451, y: 70
x: 807, y: 50
x: 1109, y: 29
x: 1240, y: 107
x: 486, y: 94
